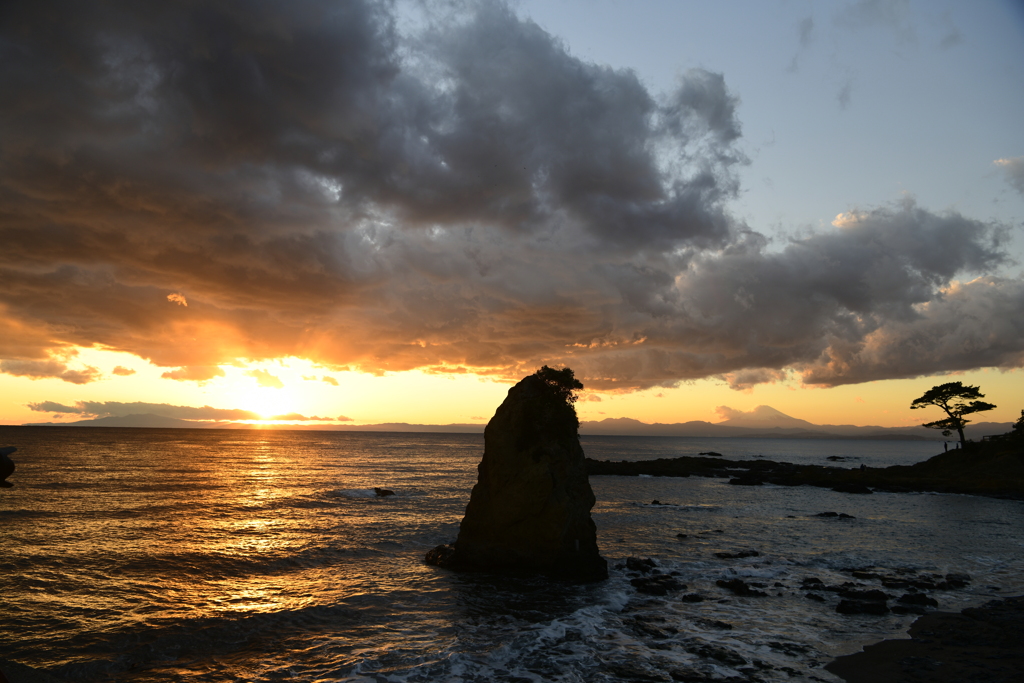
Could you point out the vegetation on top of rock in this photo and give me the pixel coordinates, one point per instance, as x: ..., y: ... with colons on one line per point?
x: 955, y: 400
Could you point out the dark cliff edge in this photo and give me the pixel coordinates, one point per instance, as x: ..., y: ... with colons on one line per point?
x: 529, y: 512
x: 993, y: 468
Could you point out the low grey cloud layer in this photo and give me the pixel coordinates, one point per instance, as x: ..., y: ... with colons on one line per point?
x: 93, y: 409
x: 203, y: 183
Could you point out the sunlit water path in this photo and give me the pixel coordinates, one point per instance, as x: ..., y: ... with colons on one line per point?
x: 202, y: 555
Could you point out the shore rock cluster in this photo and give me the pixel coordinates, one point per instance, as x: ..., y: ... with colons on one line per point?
x: 993, y: 468
x: 984, y: 644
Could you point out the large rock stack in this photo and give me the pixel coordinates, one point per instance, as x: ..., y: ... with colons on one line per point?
x: 530, y: 509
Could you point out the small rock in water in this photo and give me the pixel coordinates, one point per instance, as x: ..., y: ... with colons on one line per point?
x: 693, y: 597
x: 723, y: 655
x: 738, y: 556
x: 659, y: 584
x: 815, y: 597
x: 862, y: 607
x: 874, y: 595
x: 920, y: 599
x: 957, y: 580
x: 713, y: 623
x: 827, y: 514
x: 681, y: 536
x: 851, y: 488
x: 382, y: 493
x: 739, y: 587
x: 711, y: 453
x: 6, y: 466
x: 640, y: 564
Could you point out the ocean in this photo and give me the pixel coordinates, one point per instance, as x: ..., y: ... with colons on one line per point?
x: 216, y: 555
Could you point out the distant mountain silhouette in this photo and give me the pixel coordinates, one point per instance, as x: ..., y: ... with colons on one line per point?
x: 147, y: 420
x: 764, y: 422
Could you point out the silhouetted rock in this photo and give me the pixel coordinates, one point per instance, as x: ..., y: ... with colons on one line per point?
x: 739, y: 587
x: 530, y: 509
x: 659, y: 584
x: 640, y: 564
x: 746, y: 481
x: 382, y: 493
x: 737, y: 556
x: 920, y: 599
x: 6, y: 465
x: 851, y: 488
x: 862, y: 607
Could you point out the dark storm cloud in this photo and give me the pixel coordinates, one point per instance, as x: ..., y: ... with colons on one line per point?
x: 200, y: 183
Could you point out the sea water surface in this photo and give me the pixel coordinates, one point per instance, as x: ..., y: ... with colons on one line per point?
x: 215, y: 555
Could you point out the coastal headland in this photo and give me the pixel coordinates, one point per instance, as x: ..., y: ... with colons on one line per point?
x: 992, y: 468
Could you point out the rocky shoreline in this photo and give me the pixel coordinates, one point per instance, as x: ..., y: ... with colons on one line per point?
x: 984, y: 470
x: 980, y: 644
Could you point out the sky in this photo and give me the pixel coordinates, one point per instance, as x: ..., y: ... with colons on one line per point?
x: 334, y: 212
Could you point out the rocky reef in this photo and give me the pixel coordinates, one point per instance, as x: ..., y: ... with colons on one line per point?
x: 529, y: 512
x: 990, y: 468
x: 978, y: 644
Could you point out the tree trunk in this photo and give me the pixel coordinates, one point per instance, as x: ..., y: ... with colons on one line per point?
x: 963, y: 441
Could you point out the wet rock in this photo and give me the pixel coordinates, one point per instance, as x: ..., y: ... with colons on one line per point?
x: 746, y: 481
x: 712, y: 453
x: 659, y: 584
x: 815, y: 597
x: 681, y: 536
x: 693, y: 597
x: 851, y: 488
x: 791, y: 649
x: 827, y: 514
x: 957, y: 580
x: 918, y: 599
x: 687, y: 674
x: 713, y: 623
x: 740, y: 587
x: 382, y: 493
x: 640, y: 564
x: 634, y: 671
x: 718, y: 653
x: 862, y: 607
x: 530, y: 509
x: 645, y: 626
x: 738, y: 556
x: 873, y: 595
x: 812, y: 581
x: 440, y: 555
x: 909, y: 609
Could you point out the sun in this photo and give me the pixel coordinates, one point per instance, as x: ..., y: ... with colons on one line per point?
x: 240, y: 389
